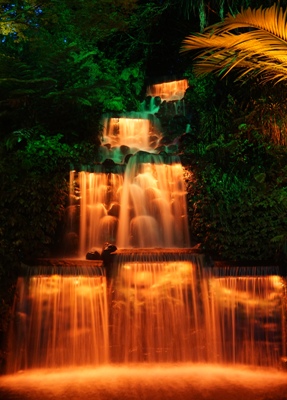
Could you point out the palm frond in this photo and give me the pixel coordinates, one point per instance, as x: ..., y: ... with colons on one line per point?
x: 260, y: 50
x: 271, y: 19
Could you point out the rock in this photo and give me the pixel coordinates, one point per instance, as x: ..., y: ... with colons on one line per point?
x: 108, y: 248
x: 107, y: 256
x: 93, y: 254
x: 127, y: 157
x: 124, y: 149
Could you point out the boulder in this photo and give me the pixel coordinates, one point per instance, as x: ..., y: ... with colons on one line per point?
x: 93, y: 254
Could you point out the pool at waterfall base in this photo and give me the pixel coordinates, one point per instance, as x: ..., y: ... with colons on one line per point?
x: 169, y: 382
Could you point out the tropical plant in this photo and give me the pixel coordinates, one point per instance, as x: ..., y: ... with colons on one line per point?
x: 209, y: 9
x: 253, y: 41
x: 250, y: 46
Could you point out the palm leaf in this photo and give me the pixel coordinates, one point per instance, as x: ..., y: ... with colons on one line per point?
x: 262, y: 49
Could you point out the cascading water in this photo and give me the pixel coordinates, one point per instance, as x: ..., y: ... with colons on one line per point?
x: 169, y: 311
x: 99, y: 202
x: 163, y: 324
x: 60, y: 320
x: 161, y: 329
x: 141, y: 207
x: 168, y: 91
x: 153, y: 206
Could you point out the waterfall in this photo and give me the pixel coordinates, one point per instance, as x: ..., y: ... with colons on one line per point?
x: 60, y: 320
x: 164, y: 322
x: 160, y: 307
x: 143, y: 204
x: 153, y: 204
x: 175, y: 311
x: 168, y: 91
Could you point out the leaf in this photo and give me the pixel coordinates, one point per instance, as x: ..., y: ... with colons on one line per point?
x: 85, y: 102
x: 212, y: 146
x: 261, y: 50
x: 260, y: 177
x: 279, y: 239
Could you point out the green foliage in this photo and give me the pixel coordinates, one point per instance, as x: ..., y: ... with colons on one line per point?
x: 58, y: 74
x: 34, y: 191
x: 237, y: 199
x: 214, y: 110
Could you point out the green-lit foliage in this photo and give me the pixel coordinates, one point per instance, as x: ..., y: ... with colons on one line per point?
x: 238, y: 197
x: 214, y: 111
x: 236, y: 218
x: 190, y: 8
x: 59, y: 74
x: 238, y: 200
x: 33, y: 193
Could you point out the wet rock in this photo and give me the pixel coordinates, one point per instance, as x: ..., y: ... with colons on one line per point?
x: 284, y: 363
x: 108, y: 248
x: 173, y: 149
x: 93, y: 254
x: 107, y: 256
x: 124, y: 149
x: 127, y: 157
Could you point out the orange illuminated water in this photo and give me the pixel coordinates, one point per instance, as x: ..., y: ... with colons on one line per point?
x: 166, y: 312
x: 153, y: 204
x: 151, y: 311
x: 143, y: 208
x: 135, y: 132
x: 168, y: 91
x: 159, y: 329
x: 99, y: 199
x: 59, y: 321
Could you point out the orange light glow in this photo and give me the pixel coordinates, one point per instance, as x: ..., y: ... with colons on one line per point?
x: 168, y: 91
